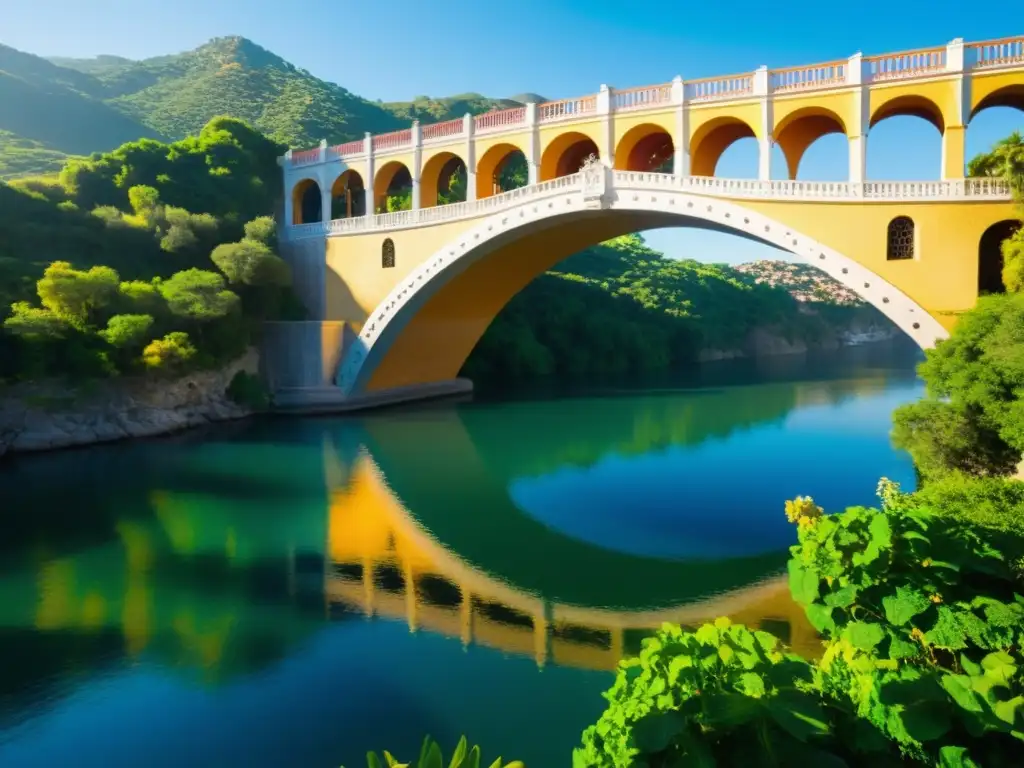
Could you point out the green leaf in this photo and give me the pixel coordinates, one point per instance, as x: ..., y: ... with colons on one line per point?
x: 842, y: 598
x: 803, y: 582
x: 955, y: 757
x: 729, y: 709
x: 751, y: 685
x: 959, y: 687
x: 999, y: 665
x: 460, y: 753
x: 947, y: 632
x: 676, y: 666
x: 820, y: 617
x: 434, y: 759
x: 798, y: 714
x: 372, y: 761
x: 904, y: 605
x: 1008, y: 710
x: 653, y: 733
x: 902, y: 649
x: 863, y: 635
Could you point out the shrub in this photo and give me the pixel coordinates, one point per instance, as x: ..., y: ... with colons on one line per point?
x: 430, y: 757
x: 171, y: 353
x: 247, y: 390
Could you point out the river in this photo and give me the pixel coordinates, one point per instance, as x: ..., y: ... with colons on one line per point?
x: 294, y: 592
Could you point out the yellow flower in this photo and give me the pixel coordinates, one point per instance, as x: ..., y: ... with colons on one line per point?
x: 803, y: 511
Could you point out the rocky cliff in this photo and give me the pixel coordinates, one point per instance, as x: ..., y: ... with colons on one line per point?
x: 46, y: 415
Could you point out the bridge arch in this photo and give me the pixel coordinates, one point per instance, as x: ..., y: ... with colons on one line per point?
x: 565, y: 154
x: 798, y: 130
x: 491, y: 166
x: 391, y: 177
x: 436, y: 175
x: 710, y: 140
x: 990, y: 256
x: 645, y: 147
x: 424, y: 330
x: 306, y: 201
x: 909, y: 104
x: 994, y: 92
x: 348, y: 195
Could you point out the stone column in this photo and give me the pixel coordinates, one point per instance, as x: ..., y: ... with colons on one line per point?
x: 954, y: 137
x: 417, y: 163
x: 369, y: 181
x: 606, y: 147
x: 533, y: 143
x: 681, y: 140
x: 858, y: 131
x: 469, y: 128
x: 764, y: 140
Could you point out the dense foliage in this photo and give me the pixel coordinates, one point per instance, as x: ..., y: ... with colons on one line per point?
x: 622, y: 307
x: 124, y: 272
x: 922, y: 662
x: 972, y: 420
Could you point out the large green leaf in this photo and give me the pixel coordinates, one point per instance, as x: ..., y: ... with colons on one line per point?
x: 799, y: 714
x: 654, y: 732
x: 904, y: 605
x: 803, y: 582
x: 862, y: 635
x: 725, y: 709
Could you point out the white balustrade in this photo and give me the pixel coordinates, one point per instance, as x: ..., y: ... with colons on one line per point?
x: 444, y: 130
x: 566, y: 109
x: 500, y: 119
x: 709, y: 186
x: 642, y: 98
x: 715, y: 89
x: 998, y: 53
x: 828, y: 75
x: 902, y: 66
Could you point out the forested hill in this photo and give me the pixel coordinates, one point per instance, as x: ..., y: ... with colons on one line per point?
x: 51, y: 108
x: 621, y: 308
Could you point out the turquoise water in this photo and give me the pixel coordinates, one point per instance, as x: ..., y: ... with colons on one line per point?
x: 296, y: 592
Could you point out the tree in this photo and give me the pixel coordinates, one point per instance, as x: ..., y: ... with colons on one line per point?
x: 251, y: 262
x: 34, y: 323
x: 262, y: 229
x: 171, y: 353
x: 74, y: 293
x: 198, y: 295
x: 127, y: 331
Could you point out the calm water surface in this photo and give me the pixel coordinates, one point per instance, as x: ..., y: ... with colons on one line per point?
x: 296, y: 592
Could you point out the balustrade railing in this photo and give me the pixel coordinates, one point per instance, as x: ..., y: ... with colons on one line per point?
x: 713, y: 89
x: 641, y: 98
x: 443, y: 130
x: 393, y: 140
x: 828, y: 75
x: 500, y: 119
x: 566, y: 109
x: 1007, y: 52
x: 901, y: 66
x: 349, y: 149
x: 803, y: 191
x: 997, y: 53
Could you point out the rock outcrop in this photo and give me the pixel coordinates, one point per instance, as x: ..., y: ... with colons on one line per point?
x: 48, y: 415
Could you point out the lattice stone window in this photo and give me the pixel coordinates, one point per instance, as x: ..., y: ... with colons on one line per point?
x: 901, y: 240
x: 387, y: 254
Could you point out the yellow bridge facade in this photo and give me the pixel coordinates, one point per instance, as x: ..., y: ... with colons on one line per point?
x: 401, y: 298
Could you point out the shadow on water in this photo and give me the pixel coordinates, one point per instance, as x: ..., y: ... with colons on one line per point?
x: 211, y: 583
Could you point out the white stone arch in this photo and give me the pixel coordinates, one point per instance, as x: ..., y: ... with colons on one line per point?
x: 390, y: 317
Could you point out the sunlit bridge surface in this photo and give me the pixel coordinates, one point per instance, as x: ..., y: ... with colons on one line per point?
x: 296, y: 592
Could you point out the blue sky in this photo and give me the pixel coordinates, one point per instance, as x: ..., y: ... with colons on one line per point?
x: 557, y: 48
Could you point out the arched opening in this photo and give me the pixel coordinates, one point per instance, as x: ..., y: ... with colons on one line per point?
x: 392, y: 188
x: 442, y: 180
x: 901, y: 239
x: 566, y: 154
x: 462, y: 286
x: 901, y: 145
x: 798, y: 131
x: 501, y: 168
x: 348, y: 196
x: 645, y: 147
x: 306, y: 202
x: 995, y: 119
x: 387, y: 254
x: 990, y: 256
x: 709, y: 143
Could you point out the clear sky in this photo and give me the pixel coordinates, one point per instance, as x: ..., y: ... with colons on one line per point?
x: 557, y: 48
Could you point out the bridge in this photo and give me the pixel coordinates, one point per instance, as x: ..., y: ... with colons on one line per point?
x: 399, y: 299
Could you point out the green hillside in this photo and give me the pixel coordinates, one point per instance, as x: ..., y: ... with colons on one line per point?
x: 63, y: 106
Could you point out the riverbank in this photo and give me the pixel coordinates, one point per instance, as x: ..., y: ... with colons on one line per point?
x: 765, y: 342
x: 50, y: 415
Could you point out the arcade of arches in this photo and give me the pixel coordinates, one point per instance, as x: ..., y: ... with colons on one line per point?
x: 644, y: 147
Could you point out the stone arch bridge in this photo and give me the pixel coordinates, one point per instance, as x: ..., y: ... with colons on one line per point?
x: 400, y: 298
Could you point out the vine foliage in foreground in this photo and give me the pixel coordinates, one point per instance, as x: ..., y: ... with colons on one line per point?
x: 922, y: 660
x: 430, y: 757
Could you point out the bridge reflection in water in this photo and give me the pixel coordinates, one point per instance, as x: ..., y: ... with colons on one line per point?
x: 221, y: 556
